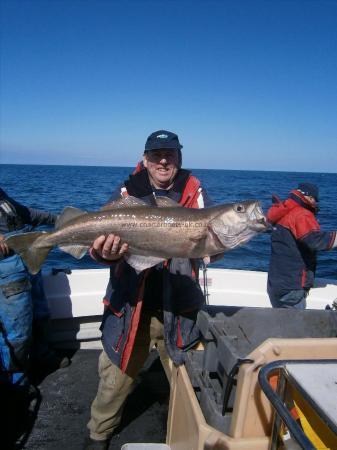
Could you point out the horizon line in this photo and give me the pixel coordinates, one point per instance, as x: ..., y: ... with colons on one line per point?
x: 187, y: 168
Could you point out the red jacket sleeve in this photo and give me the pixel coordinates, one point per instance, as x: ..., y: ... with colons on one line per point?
x: 304, y: 223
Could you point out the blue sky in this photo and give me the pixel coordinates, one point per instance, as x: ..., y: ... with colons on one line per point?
x: 246, y: 84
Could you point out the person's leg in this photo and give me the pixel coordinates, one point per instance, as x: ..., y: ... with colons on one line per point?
x: 157, y: 339
x: 40, y: 303
x: 42, y: 355
x: 107, y: 407
x: 15, y: 320
x: 115, y: 386
x: 293, y: 299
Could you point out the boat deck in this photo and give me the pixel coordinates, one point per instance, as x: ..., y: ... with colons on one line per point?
x: 64, y: 407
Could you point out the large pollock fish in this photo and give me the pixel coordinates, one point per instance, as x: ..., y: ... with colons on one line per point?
x: 153, y: 233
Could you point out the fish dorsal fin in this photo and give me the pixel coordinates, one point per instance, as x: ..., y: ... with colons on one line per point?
x: 68, y: 214
x: 163, y: 202
x: 125, y: 202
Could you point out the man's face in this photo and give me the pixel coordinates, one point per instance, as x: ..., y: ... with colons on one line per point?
x: 162, y: 166
x: 311, y: 200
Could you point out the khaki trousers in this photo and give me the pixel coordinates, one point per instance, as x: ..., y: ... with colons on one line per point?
x: 115, y: 386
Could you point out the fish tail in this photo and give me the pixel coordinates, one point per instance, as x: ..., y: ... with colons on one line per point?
x: 28, y: 246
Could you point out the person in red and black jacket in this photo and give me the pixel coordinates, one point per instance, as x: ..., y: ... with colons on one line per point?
x: 157, y: 306
x: 296, y: 239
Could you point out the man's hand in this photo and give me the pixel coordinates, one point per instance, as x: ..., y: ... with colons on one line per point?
x: 109, y: 247
x: 3, y: 246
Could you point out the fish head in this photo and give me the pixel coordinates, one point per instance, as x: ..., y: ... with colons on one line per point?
x: 237, y: 223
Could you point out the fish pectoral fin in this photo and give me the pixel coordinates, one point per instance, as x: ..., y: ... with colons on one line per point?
x: 68, y: 214
x: 163, y: 202
x: 125, y: 202
x: 141, y: 263
x: 77, y: 251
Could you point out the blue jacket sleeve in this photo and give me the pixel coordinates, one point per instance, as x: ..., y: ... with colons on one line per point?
x: 319, y: 240
x: 34, y: 217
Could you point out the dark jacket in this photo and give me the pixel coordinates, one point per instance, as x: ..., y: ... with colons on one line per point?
x: 173, y: 290
x: 296, y: 238
x: 14, y: 216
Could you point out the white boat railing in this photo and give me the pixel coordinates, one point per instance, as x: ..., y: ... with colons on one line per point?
x: 75, y: 299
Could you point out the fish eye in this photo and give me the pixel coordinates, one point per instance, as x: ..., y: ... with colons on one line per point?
x: 239, y: 208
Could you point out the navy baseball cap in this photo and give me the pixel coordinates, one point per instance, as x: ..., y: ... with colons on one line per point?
x: 309, y: 189
x: 162, y: 139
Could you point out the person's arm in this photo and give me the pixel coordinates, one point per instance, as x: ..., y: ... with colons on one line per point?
x: 320, y: 240
x: 308, y: 232
x: 32, y: 216
x: 39, y: 217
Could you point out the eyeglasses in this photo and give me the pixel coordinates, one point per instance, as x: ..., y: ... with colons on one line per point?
x: 158, y: 155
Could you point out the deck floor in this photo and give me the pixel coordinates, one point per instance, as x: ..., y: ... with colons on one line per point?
x: 66, y: 396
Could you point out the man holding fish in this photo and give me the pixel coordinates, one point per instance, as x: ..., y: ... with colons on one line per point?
x: 134, y: 318
x: 157, y: 306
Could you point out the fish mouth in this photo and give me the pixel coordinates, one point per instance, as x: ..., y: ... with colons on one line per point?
x: 258, y: 221
x: 260, y: 224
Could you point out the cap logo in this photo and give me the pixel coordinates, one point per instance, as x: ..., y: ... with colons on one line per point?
x: 162, y: 136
